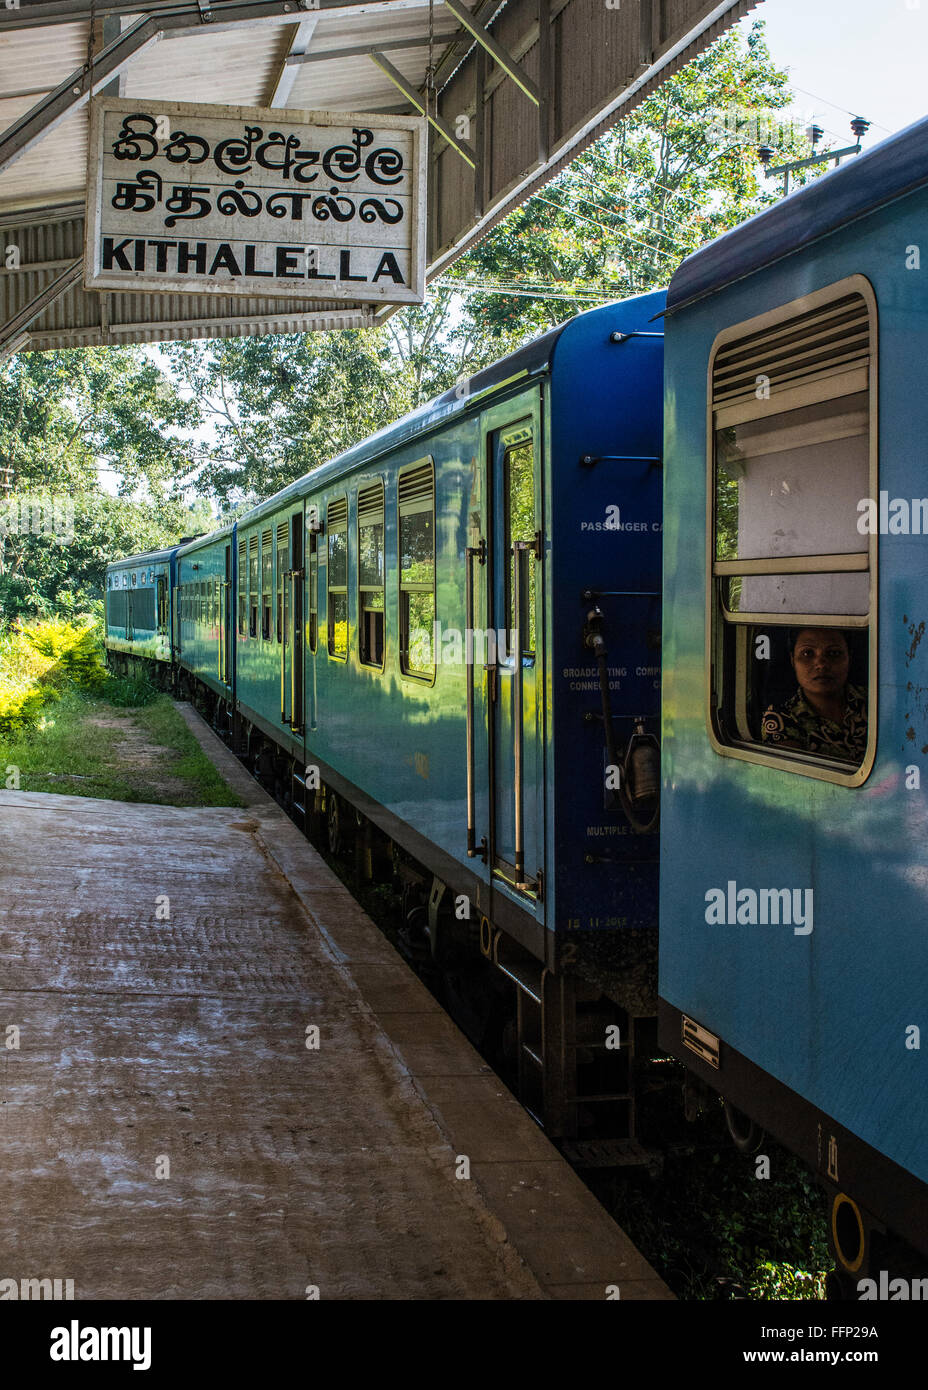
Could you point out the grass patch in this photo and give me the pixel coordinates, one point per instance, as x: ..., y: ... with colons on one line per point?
x: 164, y: 725
x: 87, y: 746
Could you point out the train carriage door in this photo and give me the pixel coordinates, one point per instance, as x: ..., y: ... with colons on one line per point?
x: 225, y: 621
x: 290, y: 625
x: 517, y: 832
x: 296, y: 622
x: 283, y: 616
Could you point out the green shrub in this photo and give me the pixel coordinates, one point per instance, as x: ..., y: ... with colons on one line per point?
x: 40, y: 661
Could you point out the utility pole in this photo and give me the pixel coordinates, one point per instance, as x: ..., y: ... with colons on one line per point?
x: 859, y: 128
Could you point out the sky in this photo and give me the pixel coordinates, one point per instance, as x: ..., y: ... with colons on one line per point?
x: 868, y: 57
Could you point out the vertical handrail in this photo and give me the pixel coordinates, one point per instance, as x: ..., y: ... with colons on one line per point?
x: 470, y: 553
x: 518, y: 548
x: 221, y: 607
x: 296, y: 648
x: 284, y: 595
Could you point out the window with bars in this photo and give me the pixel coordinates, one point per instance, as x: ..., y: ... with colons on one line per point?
x: 337, y: 579
x: 370, y: 575
x: 253, y: 585
x: 267, y: 581
x: 242, y: 592
x: 519, y: 493
x: 793, y: 415
x: 416, y: 530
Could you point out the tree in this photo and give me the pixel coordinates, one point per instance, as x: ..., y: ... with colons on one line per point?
x: 282, y: 405
x: 66, y: 418
x: 680, y: 170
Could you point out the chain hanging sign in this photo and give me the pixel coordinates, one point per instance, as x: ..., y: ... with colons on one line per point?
x: 238, y: 200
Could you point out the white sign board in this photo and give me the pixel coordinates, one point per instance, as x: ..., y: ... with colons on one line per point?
x: 238, y: 200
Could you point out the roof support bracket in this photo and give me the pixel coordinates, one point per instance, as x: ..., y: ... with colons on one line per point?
x: 13, y: 334
x: 75, y: 91
x: 466, y: 151
x: 486, y: 40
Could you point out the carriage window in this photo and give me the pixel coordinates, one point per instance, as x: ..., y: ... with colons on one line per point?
x: 242, y: 594
x: 253, y: 585
x: 416, y: 504
x: 337, y: 581
x: 791, y: 565
x: 520, y: 526
x: 267, y: 582
x: 370, y: 575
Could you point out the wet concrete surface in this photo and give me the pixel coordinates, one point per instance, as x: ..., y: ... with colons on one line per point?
x: 165, y: 1132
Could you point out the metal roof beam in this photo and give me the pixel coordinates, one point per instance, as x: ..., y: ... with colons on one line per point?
x: 300, y: 40
x: 75, y: 91
x: 361, y: 50
x: 35, y: 16
x: 486, y: 40
x: 13, y: 331
x: 466, y: 151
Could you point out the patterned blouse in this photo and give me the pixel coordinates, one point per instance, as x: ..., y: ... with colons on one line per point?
x: 795, y: 724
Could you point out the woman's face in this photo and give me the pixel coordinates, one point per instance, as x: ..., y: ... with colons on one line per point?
x: 821, y: 660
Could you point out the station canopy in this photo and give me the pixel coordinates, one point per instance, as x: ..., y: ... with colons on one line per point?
x: 511, y: 91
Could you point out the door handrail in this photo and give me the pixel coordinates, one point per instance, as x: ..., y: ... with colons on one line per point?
x: 518, y: 721
x: 284, y: 597
x: 295, y: 674
x: 472, y: 552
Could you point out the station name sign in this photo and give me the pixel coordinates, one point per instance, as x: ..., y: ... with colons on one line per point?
x: 197, y: 199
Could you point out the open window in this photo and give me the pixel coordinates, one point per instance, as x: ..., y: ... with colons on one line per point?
x: 337, y: 581
x: 791, y: 565
x: 416, y: 508
x: 370, y: 575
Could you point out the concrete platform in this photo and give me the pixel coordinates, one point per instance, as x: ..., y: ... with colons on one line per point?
x: 166, y: 1133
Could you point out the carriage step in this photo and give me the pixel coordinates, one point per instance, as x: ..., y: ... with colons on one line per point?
x: 611, y: 1153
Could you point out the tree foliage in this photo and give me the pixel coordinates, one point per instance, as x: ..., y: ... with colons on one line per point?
x: 67, y: 420
x: 681, y: 169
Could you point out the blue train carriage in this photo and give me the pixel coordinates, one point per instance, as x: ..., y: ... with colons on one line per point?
x: 519, y: 512
x: 204, y: 606
x: 138, y: 614
x: 795, y: 723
